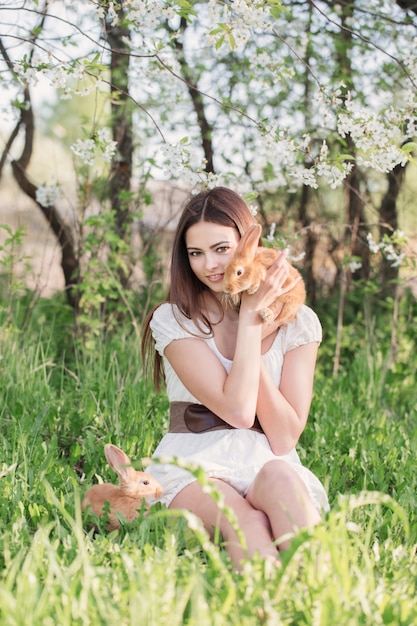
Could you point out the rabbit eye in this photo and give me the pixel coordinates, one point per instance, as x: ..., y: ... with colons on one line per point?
x: 145, y: 482
x: 239, y: 272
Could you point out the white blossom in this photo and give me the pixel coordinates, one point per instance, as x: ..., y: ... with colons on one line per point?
x: 48, y: 195
x: 354, y: 266
x: 84, y: 149
x: 234, y: 23
x: 305, y: 176
x: 377, y: 136
x: 270, y: 235
x: 91, y: 149
x: 148, y: 14
x: 109, y: 151
x: 100, y: 13
x: 372, y: 245
x: 58, y: 76
x: 334, y: 175
x: 388, y: 248
x: 26, y: 75
x: 296, y: 259
x: 392, y: 255
x: 112, y: 14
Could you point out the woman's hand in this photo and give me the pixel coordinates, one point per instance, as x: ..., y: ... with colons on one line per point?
x: 276, y: 270
x: 272, y: 287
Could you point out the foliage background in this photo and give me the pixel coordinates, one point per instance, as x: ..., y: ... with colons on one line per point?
x: 307, y: 106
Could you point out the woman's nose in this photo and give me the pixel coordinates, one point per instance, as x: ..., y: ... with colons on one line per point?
x: 211, y: 261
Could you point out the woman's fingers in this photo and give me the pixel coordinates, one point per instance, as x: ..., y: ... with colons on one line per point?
x: 279, y: 271
x: 273, y: 285
x: 280, y: 261
x: 291, y: 285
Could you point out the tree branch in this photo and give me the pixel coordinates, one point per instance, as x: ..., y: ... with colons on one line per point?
x: 63, y: 233
x: 206, y: 128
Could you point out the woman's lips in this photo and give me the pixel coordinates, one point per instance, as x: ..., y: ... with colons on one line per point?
x: 215, y: 278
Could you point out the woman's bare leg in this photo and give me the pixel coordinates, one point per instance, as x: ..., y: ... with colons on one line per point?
x: 280, y: 493
x: 254, y: 524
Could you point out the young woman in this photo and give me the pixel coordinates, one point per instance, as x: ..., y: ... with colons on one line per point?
x: 239, y: 389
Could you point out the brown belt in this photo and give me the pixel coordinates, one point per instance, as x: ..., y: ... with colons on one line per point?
x: 187, y: 417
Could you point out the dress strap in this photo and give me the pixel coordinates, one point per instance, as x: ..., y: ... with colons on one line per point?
x: 189, y: 417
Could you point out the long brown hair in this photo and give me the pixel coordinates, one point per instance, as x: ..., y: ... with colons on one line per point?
x: 219, y: 206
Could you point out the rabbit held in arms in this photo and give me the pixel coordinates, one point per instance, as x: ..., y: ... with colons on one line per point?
x: 127, y: 497
x: 247, y: 270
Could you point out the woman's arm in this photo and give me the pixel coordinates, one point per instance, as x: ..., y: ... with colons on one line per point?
x: 233, y: 396
x: 283, y: 412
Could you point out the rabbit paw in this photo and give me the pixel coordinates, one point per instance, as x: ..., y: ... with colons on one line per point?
x: 267, y: 315
x: 253, y: 289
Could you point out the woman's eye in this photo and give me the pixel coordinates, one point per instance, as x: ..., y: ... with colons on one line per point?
x: 194, y: 253
x: 222, y: 249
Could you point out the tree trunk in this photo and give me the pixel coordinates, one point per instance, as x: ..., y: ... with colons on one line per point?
x: 122, y: 125
x: 310, y: 245
x: 206, y: 129
x: 357, y: 228
x: 69, y: 259
x: 408, y: 5
x: 389, y: 222
x: 306, y: 222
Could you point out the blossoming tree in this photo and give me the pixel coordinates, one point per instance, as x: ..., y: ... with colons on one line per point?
x: 304, y: 105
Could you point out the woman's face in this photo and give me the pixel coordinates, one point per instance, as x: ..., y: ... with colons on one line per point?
x: 210, y: 247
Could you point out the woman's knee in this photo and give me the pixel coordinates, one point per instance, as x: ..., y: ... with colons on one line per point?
x: 275, y: 473
x: 275, y: 480
x: 195, y: 499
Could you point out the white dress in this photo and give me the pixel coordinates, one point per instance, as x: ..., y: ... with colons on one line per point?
x: 234, y: 455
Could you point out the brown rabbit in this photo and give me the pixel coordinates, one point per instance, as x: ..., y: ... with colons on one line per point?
x: 126, y: 498
x: 247, y: 270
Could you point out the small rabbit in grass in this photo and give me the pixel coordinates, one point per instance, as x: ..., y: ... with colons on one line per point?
x: 247, y: 270
x: 125, y: 498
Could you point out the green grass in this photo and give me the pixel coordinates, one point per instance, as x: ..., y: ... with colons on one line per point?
x: 59, y: 405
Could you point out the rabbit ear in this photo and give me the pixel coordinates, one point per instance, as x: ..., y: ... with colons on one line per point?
x: 118, y: 460
x: 249, y: 242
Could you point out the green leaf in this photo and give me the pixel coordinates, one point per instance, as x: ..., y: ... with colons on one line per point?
x: 219, y: 42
